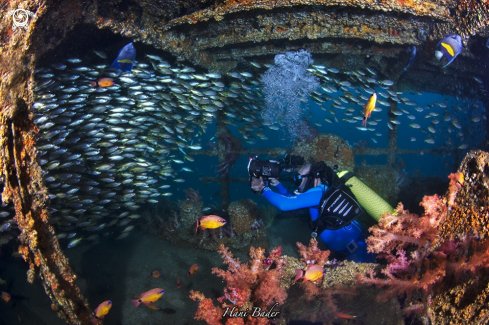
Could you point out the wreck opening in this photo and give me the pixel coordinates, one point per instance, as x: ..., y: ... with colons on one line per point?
x: 231, y: 41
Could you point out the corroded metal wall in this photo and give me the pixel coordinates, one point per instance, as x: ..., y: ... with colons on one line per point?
x: 20, y: 171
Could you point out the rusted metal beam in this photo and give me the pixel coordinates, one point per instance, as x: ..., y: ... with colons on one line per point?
x: 276, y: 152
x: 19, y: 168
x: 397, y: 151
x: 221, y: 154
x: 273, y: 152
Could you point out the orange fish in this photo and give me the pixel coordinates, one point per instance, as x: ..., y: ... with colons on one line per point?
x: 313, y: 273
x: 179, y: 282
x: 103, y: 82
x: 193, y: 270
x: 5, y: 296
x: 343, y: 315
x: 369, y: 107
x: 148, y: 297
x: 101, y: 311
x: 210, y: 221
x: 155, y: 274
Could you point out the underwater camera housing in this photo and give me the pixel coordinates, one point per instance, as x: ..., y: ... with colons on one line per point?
x: 272, y: 168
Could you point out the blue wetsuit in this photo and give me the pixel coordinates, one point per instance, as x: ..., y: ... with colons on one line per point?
x: 336, y: 240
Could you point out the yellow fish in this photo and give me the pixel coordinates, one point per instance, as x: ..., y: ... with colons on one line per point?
x: 313, y: 273
x: 210, y: 221
x: 369, y: 107
x: 148, y: 297
x: 101, y: 311
x: 460, y: 178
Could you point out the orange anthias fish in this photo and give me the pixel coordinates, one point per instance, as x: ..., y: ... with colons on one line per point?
x: 5, y: 296
x: 210, y: 221
x: 102, y: 310
x: 179, y: 282
x: 369, y: 107
x: 155, y: 274
x: 313, y: 273
x: 103, y: 82
x: 192, y: 271
x: 148, y: 297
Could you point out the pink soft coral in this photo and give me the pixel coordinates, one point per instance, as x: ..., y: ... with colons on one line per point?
x: 405, y: 241
x: 247, y: 284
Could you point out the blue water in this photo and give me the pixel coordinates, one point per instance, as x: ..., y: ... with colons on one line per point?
x: 447, y: 136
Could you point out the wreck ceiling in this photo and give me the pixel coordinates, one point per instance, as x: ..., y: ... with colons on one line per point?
x: 353, y: 34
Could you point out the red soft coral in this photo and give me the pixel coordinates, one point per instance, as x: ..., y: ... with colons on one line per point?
x: 312, y: 254
x: 206, y: 311
x: 239, y: 275
x: 268, y: 290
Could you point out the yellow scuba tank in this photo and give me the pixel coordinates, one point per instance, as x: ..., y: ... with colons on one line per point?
x: 368, y: 199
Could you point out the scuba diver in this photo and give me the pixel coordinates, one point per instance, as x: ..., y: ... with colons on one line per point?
x: 332, y: 205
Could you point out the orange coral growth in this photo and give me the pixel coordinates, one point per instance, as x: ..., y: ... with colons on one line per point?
x: 24, y: 252
x: 28, y: 140
x: 44, y: 216
x: 37, y: 259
